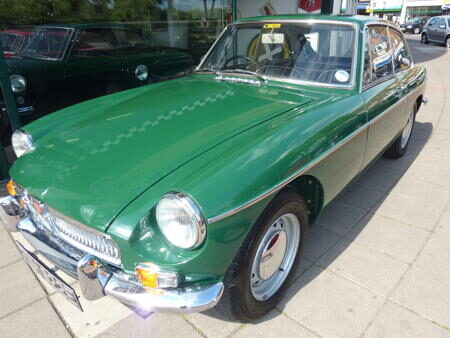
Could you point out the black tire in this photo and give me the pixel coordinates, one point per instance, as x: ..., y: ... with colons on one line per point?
x: 238, y: 302
x: 447, y: 42
x: 399, y: 147
x: 424, y: 39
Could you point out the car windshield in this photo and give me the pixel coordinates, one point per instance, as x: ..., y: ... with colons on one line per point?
x: 47, y: 43
x: 320, y: 53
x: 12, y: 40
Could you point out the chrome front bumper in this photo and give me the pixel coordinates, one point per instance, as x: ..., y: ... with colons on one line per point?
x: 98, y: 279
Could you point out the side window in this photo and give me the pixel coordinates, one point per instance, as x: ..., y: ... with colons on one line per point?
x: 93, y: 41
x: 379, y: 53
x: 402, y: 59
x: 441, y: 23
x: 432, y: 22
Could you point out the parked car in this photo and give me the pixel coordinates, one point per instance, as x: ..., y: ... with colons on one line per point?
x: 199, y: 191
x: 66, y: 64
x: 437, y: 30
x: 414, y: 25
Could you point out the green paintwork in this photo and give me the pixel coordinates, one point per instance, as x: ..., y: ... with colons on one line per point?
x: 107, y: 162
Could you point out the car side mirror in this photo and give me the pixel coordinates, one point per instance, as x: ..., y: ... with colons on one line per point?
x: 405, y: 62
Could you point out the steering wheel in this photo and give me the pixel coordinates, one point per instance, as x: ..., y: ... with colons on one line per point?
x: 246, y: 58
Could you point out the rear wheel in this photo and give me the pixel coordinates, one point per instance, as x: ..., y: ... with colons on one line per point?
x: 447, y: 42
x: 266, y: 262
x: 416, y: 30
x: 398, y: 148
x: 424, y: 39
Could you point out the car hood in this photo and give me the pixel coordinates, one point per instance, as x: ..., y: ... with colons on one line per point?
x: 93, y: 158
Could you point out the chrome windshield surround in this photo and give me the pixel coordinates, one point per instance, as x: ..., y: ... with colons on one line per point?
x: 72, y: 232
x: 357, y: 37
x: 237, y: 79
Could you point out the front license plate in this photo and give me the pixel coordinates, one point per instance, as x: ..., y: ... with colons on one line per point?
x: 53, y: 279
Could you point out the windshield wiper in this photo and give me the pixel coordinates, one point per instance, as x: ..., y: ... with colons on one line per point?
x: 245, y: 71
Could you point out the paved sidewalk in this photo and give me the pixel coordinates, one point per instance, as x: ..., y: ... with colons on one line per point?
x: 377, y: 262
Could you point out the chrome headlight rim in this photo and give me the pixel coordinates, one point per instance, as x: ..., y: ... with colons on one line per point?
x: 141, y: 73
x: 18, y: 79
x: 188, y: 204
x: 22, y: 142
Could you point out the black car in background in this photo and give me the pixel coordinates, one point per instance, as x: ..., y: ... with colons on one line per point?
x: 61, y: 65
x: 414, y: 25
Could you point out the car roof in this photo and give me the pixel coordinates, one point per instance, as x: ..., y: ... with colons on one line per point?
x: 360, y: 20
x: 86, y: 25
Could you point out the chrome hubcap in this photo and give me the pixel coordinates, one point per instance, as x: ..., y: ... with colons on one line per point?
x: 275, y: 256
x: 407, y: 131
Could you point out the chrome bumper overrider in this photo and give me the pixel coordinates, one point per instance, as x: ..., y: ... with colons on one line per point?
x: 98, y: 279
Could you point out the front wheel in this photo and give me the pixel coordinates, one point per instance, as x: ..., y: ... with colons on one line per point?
x: 416, y: 30
x: 447, y: 42
x: 266, y: 262
x: 398, y: 148
x: 424, y: 39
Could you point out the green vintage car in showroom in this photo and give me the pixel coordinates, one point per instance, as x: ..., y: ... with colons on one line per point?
x: 199, y: 191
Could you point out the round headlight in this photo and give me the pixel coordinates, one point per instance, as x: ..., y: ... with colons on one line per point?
x: 21, y: 142
x: 141, y: 72
x: 181, y: 220
x: 18, y: 83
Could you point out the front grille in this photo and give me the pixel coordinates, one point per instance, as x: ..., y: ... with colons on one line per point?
x: 78, y: 235
x: 100, y: 245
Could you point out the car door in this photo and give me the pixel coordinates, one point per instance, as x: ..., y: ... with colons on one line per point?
x: 441, y: 30
x: 382, y: 92
x: 93, y: 64
x: 431, y: 29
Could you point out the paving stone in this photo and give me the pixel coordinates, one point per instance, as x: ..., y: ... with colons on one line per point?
x: 157, y: 325
x: 319, y: 241
x: 362, y: 197
x: 97, y: 316
x: 443, y: 227
x: 304, y: 265
x: 37, y: 320
x: 425, y: 293
x: 435, y: 256
x: 8, y: 251
x: 379, y: 178
x: 431, y: 175
x: 330, y: 305
x: 212, y: 323
x: 396, y: 321
x: 339, y: 217
x: 389, y: 236
x: 275, y: 325
x: 365, y: 266
x: 18, y: 288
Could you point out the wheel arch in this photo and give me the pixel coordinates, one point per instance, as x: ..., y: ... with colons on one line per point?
x: 310, y: 188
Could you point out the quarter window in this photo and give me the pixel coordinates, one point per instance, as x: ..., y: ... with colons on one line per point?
x: 401, y: 57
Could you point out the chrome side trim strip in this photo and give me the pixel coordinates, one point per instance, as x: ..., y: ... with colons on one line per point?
x: 290, y: 178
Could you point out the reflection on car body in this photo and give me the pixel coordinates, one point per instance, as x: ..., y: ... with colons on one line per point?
x: 199, y: 191
x: 62, y: 65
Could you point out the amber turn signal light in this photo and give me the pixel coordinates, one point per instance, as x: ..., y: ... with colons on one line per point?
x: 11, y: 188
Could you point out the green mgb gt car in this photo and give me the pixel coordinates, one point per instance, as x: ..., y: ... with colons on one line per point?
x: 199, y: 191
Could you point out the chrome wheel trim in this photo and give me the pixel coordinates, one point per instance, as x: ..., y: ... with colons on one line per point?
x: 406, y: 133
x: 275, y: 257
x: 416, y: 31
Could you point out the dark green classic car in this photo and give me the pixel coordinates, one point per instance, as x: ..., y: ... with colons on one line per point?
x: 199, y: 191
x: 60, y: 65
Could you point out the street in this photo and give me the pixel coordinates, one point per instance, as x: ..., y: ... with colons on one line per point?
x: 377, y: 262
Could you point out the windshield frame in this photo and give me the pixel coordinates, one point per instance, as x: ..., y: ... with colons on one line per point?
x: 65, y: 46
x: 357, y: 38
